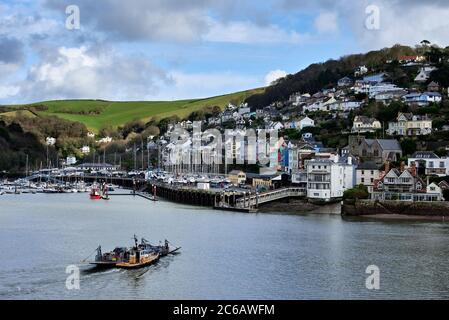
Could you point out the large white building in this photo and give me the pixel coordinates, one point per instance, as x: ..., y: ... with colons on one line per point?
x: 328, y: 179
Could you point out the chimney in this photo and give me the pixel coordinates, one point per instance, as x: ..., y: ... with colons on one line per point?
x: 413, y: 168
x: 402, y: 166
x: 387, y: 166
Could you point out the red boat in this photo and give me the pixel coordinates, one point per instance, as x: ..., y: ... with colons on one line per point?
x: 95, y: 194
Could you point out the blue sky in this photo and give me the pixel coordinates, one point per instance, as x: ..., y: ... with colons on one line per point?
x: 174, y: 49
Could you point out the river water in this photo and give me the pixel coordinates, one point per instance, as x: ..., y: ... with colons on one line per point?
x: 224, y: 255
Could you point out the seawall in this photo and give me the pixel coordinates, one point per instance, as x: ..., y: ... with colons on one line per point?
x: 392, y: 207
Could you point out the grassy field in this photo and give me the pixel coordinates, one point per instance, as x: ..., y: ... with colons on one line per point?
x: 96, y: 114
x: 25, y: 113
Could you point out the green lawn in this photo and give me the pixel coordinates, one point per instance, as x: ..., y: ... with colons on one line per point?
x: 96, y: 114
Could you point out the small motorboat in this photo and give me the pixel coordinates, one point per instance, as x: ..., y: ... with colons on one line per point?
x: 95, y: 193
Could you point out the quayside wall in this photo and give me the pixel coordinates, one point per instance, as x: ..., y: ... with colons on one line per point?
x: 369, y: 207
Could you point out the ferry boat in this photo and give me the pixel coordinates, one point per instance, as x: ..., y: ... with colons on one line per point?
x: 138, y: 256
x: 138, y: 259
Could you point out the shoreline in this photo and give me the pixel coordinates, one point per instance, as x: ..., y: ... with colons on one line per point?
x: 403, y: 217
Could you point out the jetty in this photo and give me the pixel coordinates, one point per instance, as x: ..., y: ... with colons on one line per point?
x: 249, y: 201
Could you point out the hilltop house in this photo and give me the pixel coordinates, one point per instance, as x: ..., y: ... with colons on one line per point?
x: 361, y: 70
x: 304, y: 122
x: 428, y: 163
x: 345, y: 82
x: 424, y: 74
x: 422, y: 99
x: 386, y: 97
x: 411, y: 59
x: 433, y: 87
x: 377, y: 150
x: 408, y: 124
x: 365, y: 124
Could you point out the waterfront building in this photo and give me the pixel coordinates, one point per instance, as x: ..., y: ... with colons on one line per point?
x: 366, y: 173
x: 328, y: 179
x: 97, y: 167
x: 403, y: 185
x: 237, y: 177
x: 428, y: 163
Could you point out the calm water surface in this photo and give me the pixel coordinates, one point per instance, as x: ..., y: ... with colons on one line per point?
x: 224, y: 255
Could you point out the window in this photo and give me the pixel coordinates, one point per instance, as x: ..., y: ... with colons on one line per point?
x: 441, y: 164
x: 430, y: 164
x: 372, y: 180
x: 363, y: 180
x: 372, y: 172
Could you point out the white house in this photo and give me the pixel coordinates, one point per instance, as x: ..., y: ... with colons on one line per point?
x: 304, y: 122
x: 365, y: 124
x: 424, y: 74
x: 327, y: 179
x: 366, y: 173
x: 105, y: 140
x: 361, y: 70
x: 85, y: 150
x: 433, y: 188
x: 50, y: 141
x: 70, y: 160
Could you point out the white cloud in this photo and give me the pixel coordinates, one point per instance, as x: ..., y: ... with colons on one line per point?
x: 250, y: 33
x: 85, y: 73
x: 326, y: 22
x: 274, y: 75
x: 8, y: 91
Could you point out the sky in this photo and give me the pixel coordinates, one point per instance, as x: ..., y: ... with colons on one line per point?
x: 180, y: 49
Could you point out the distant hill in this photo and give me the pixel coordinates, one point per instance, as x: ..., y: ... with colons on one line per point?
x: 96, y: 114
x: 323, y: 75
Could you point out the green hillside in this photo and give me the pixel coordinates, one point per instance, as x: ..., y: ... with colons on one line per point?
x: 96, y: 114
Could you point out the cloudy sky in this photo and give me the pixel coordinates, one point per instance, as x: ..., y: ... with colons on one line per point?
x: 173, y: 49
